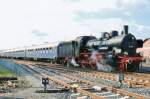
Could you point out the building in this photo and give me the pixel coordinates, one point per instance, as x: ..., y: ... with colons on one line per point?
x: 146, y: 49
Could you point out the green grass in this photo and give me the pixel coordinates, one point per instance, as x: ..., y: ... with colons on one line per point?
x: 4, y: 72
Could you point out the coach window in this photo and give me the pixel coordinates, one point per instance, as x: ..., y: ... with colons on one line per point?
x: 47, y: 50
x: 30, y: 51
x: 50, y: 49
x: 44, y: 50
x: 27, y: 51
x: 41, y: 50
x: 38, y: 50
x: 35, y: 50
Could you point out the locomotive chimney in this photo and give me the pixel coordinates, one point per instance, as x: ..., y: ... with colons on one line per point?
x: 125, y: 29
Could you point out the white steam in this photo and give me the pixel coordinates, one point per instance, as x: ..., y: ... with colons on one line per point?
x: 74, y: 63
x: 100, y: 63
x: 102, y: 67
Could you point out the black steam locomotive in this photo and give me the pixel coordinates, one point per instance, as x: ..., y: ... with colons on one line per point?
x: 111, y: 50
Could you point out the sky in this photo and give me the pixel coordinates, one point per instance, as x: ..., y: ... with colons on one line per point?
x: 28, y: 22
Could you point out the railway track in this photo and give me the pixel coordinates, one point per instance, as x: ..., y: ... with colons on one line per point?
x: 139, y: 90
x: 131, y: 79
x: 108, y: 93
x: 85, y: 88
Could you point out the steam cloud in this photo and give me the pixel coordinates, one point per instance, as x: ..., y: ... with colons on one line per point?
x: 74, y: 63
x: 99, y: 65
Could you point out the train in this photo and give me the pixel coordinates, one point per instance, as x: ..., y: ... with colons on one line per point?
x: 112, y: 51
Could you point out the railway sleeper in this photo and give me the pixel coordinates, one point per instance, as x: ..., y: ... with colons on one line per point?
x: 62, y: 90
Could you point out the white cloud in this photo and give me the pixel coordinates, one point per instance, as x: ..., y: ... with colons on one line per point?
x: 101, y: 5
x: 91, y: 15
x: 96, y: 8
x: 132, y: 4
x: 141, y: 31
x: 94, y: 5
x: 96, y: 26
x: 20, y: 17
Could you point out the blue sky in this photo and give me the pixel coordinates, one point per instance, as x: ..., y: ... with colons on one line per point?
x: 27, y: 22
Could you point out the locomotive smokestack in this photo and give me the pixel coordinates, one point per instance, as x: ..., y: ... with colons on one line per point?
x: 126, y: 29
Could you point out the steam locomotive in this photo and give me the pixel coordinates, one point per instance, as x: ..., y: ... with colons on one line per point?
x: 112, y: 50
